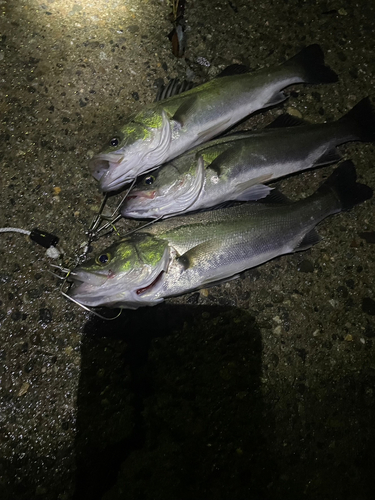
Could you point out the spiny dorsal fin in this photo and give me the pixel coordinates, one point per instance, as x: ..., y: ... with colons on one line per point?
x: 172, y: 88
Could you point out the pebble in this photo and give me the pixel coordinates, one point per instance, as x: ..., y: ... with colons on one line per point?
x: 203, y: 61
x: 23, y: 390
x: 294, y: 112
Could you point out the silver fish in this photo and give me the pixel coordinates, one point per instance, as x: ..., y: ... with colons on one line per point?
x: 182, y: 254
x: 163, y: 130
x: 235, y: 168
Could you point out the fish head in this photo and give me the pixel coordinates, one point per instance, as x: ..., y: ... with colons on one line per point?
x: 140, y: 145
x: 122, y: 274
x: 171, y: 189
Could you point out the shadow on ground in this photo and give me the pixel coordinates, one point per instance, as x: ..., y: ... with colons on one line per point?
x: 169, y: 406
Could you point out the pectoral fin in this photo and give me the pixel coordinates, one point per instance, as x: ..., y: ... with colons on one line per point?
x: 188, y: 107
x: 198, y: 254
x: 203, y: 257
x: 222, y: 160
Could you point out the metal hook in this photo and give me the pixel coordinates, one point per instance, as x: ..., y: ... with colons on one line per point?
x: 113, y: 218
x: 62, y: 269
x: 144, y: 225
x: 89, y: 309
x: 56, y: 275
x: 97, y: 219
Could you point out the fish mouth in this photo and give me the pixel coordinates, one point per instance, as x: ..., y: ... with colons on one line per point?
x: 139, y: 205
x: 86, y: 284
x: 100, y: 164
x: 153, y: 204
x: 146, y: 195
x: 112, y: 170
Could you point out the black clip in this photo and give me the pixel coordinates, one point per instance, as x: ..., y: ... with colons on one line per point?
x: 43, y: 238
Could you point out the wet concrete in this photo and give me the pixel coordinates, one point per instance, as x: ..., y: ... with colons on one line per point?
x: 259, y: 388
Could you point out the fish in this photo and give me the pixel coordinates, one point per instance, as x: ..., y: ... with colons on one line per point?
x: 182, y: 254
x: 236, y: 167
x: 165, y: 129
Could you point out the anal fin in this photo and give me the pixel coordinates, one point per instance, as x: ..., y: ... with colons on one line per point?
x: 310, y: 239
x: 331, y: 156
x: 276, y: 99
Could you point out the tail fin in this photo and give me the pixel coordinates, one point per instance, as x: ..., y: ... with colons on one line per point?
x: 342, y: 182
x: 311, y: 61
x: 360, y: 121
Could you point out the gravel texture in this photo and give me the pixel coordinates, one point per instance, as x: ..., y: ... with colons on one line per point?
x: 263, y: 387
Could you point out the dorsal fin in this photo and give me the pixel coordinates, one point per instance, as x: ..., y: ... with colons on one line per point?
x: 172, y: 88
x: 175, y: 87
x: 233, y: 69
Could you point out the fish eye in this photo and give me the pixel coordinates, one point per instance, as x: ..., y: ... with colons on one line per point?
x: 149, y: 180
x: 103, y: 258
x: 114, y: 141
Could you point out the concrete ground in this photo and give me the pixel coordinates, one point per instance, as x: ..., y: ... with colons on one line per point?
x: 259, y: 388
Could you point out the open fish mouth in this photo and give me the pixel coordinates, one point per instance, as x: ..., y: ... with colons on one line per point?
x: 100, y: 165
x: 141, y: 195
x: 113, y: 170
